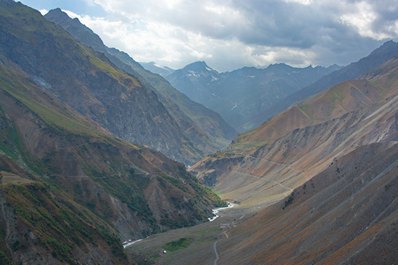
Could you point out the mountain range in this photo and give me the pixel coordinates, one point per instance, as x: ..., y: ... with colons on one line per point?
x: 352, y: 71
x: 160, y: 117
x: 241, y: 95
x: 249, y: 96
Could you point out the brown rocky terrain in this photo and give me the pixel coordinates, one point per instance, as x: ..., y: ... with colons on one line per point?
x: 347, y: 214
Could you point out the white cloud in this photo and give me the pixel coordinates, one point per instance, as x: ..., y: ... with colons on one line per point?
x: 303, y: 2
x: 233, y: 33
x: 362, y: 17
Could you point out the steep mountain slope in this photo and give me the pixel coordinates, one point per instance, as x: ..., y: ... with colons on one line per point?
x: 353, y: 71
x: 241, y: 94
x: 51, y: 154
x: 205, y: 129
x: 40, y: 224
x: 347, y: 214
x: 266, y: 164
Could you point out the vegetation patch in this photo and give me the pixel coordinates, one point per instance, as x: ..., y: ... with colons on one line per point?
x: 178, y: 244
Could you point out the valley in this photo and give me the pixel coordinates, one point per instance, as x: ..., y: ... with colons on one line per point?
x: 323, y: 163
x: 104, y: 162
x: 204, y: 241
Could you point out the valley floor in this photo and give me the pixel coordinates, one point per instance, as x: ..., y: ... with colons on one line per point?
x: 202, y: 245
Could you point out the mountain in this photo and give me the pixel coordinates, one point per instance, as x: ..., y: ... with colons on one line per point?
x: 194, y: 80
x: 321, y: 176
x: 187, y: 133
x: 157, y: 69
x: 241, y: 94
x: 70, y: 191
x: 353, y: 71
x: 270, y: 161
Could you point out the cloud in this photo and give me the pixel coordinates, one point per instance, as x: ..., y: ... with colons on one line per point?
x: 233, y: 33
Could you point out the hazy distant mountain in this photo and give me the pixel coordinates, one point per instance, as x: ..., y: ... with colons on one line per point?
x: 192, y: 130
x: 157, y: 69
x: 241, y: 95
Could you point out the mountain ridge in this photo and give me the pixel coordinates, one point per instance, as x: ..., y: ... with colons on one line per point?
x: 238, y: 95
x: 354, y: 70
x: 205, y: 129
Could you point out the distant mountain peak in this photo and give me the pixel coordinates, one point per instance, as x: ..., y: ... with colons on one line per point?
x: 279, y: 67
x: 199, y: 66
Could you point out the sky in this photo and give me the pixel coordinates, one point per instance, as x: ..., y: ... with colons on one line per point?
x: 230, y: 34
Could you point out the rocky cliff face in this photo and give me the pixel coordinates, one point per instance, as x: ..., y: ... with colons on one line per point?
x: 204, y: 131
